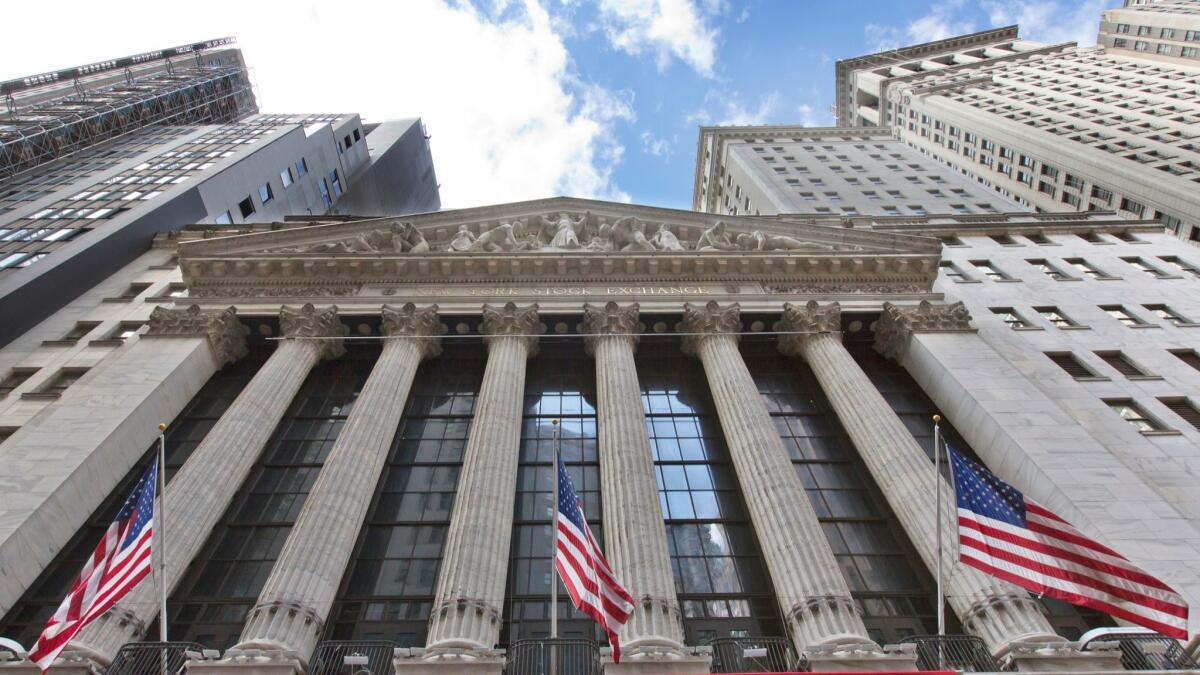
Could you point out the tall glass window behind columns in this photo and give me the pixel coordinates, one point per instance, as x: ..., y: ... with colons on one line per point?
x: 559, y: 384
x: 916, y: 411
x: 29, y: 615
x: 388, y: 589
x: 210, y: 603
x: 720, y: 578
x: 887, y: 578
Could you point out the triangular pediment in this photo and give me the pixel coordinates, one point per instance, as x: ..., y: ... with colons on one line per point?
x: 557, y: 238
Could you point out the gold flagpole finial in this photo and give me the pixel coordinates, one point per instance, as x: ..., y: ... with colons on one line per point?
x: 937, y: 419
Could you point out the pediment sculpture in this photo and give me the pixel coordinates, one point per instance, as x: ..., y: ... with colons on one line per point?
x: 559, y: 233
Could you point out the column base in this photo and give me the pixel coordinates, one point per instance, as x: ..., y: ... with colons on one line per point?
x: 248, y: 662
x: 69, y: 662
x: 449, y: 662
x: 861, y: 657
x: 650, y: 661
x: 1065, y: 657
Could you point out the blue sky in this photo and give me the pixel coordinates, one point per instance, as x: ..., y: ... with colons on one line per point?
x: 529, y: 98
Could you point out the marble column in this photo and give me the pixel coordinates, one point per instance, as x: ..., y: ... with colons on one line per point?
x: 810, y: 587
x: 199, y: 493
x: 634, y: 536
x: 294, y: 604
x: 467, y: 607
x: 1000, y: 613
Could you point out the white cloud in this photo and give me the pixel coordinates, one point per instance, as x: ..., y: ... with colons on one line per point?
x: 1052, y: 22
x: 938, y: 23
x: 509, y: 118
x: 809, y: 117
x: 666, y: 29
x: 724, y: 108
x: 653, y: 145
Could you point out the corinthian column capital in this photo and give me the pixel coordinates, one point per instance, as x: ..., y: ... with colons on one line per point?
x: 703, y: 322
x: 415, y: 322
x: 897, y: 324
x: 310, y: 322
x: 805, y: 322
x: 225, y: 334
x: 512, y: 320
x: 611, y: 319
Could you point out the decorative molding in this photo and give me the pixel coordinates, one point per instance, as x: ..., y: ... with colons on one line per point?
x: 225, y: 334
x: 845, y: 288
x: 310, y: 322
x: 274, y: 291
x: 711, y: 319
x: 411, y: 322
x: 896, y: 325
x: 803, y: 322
x: 512, y: 320
x: 611, y: 319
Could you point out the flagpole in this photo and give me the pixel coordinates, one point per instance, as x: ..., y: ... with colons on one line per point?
x: 161, y: 526
x: 937, y: 482
x: 554, y: 550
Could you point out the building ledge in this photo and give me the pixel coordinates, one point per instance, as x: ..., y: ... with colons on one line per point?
x: 41, y: 396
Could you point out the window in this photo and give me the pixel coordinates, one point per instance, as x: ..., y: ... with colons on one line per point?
x: 1122, y: 28
x: 1182, y: 265
x: 1039, y: 239
x: 265, y: 194
x: 1120, y: 43
x: 1087, y: 268
x: 1167, y: 33
x: 1009, y: 316
x: 1121, y: 314
x: 989, y: 270
x: 1049, y: 270
x: 63, y: 379
x: 1122, y: 364
x: 356, y: 136
x: 1073, y: 366
x: 952, y: 271
x: 1101, y: 194
x: 1141, y: 45
x: 1055, y: 316
x: 1143, y: 31
x: 347, y: 141
x: 1146, y: 267
x: 324, y: 188
x: 1189, y: 52
x: 174, y: 289
x: 1134, y: 415
x: 1091, y: 237
x: 1167, y: 314
x: 301, y: 167
x: 1004, y: 240
x: 1164, y: 49
x: 951, y: 240
x: 286, y: 176
x: 1128, y: 237
x: 133, y: 290
x: 15, y: 378
x: 1188, y: 356
x: 1182, y: 407
x: 79, y: 330
x: 246, y: 207
x: 223, y: 219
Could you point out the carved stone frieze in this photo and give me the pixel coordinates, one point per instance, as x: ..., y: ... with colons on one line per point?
x: 226, y: 335
x: 846, y: 288
x: 896, y: 325
x: 312, y: 323
x: 801, y: 322
x: 711, y: 319
x: 272, y: 291
x: 411, y: 322
x: 611, y: 319
x: 512, y: 320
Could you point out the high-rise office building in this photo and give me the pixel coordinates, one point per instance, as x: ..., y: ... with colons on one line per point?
x: 1162, y: 30
x: 68, y: 222
x: 1056, y: 127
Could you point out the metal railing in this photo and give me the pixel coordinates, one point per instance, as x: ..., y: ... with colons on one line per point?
x: 1140, y: 651
x: 152, y: 658
x: 557, y: 656
x: 754, y: 655
x: 966, y: 653
x: 347, y: 657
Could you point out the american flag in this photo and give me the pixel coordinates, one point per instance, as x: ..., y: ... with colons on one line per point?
x: 584, y: 571
x: 1007, y: 535
x: 120, y: 561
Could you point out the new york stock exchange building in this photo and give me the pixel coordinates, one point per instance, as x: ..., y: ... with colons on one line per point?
x: 360, y: 416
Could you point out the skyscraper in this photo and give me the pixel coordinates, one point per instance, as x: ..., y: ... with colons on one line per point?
x: 1162, y: 30
x: 1056, y: 127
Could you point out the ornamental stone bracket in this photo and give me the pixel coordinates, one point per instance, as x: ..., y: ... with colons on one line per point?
x: 512, y: 320
x: 308, y: 322
x: 611, y: 319
x: 896, y: 325
x: 712, y: 319
x: 225, y: 334
x: 412, y: 322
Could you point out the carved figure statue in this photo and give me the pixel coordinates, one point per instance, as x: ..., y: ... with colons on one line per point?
x: 665, y: 240
x: 563, y: 232
x: 497, y: 239
x: 715, y: 239
x: 462, y: 240
x: 758, y: 241
x: 625, y: 235
x: 406, y: 238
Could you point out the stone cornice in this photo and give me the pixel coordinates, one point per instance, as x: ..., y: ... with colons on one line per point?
x: 310, y: 322
x: 512, y: 320
x: 700, y: 322
x: 225, y: 334
x: 896, y: 325
x: 411, y: 321
x: 610, y: 319
x: 811, y: 319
